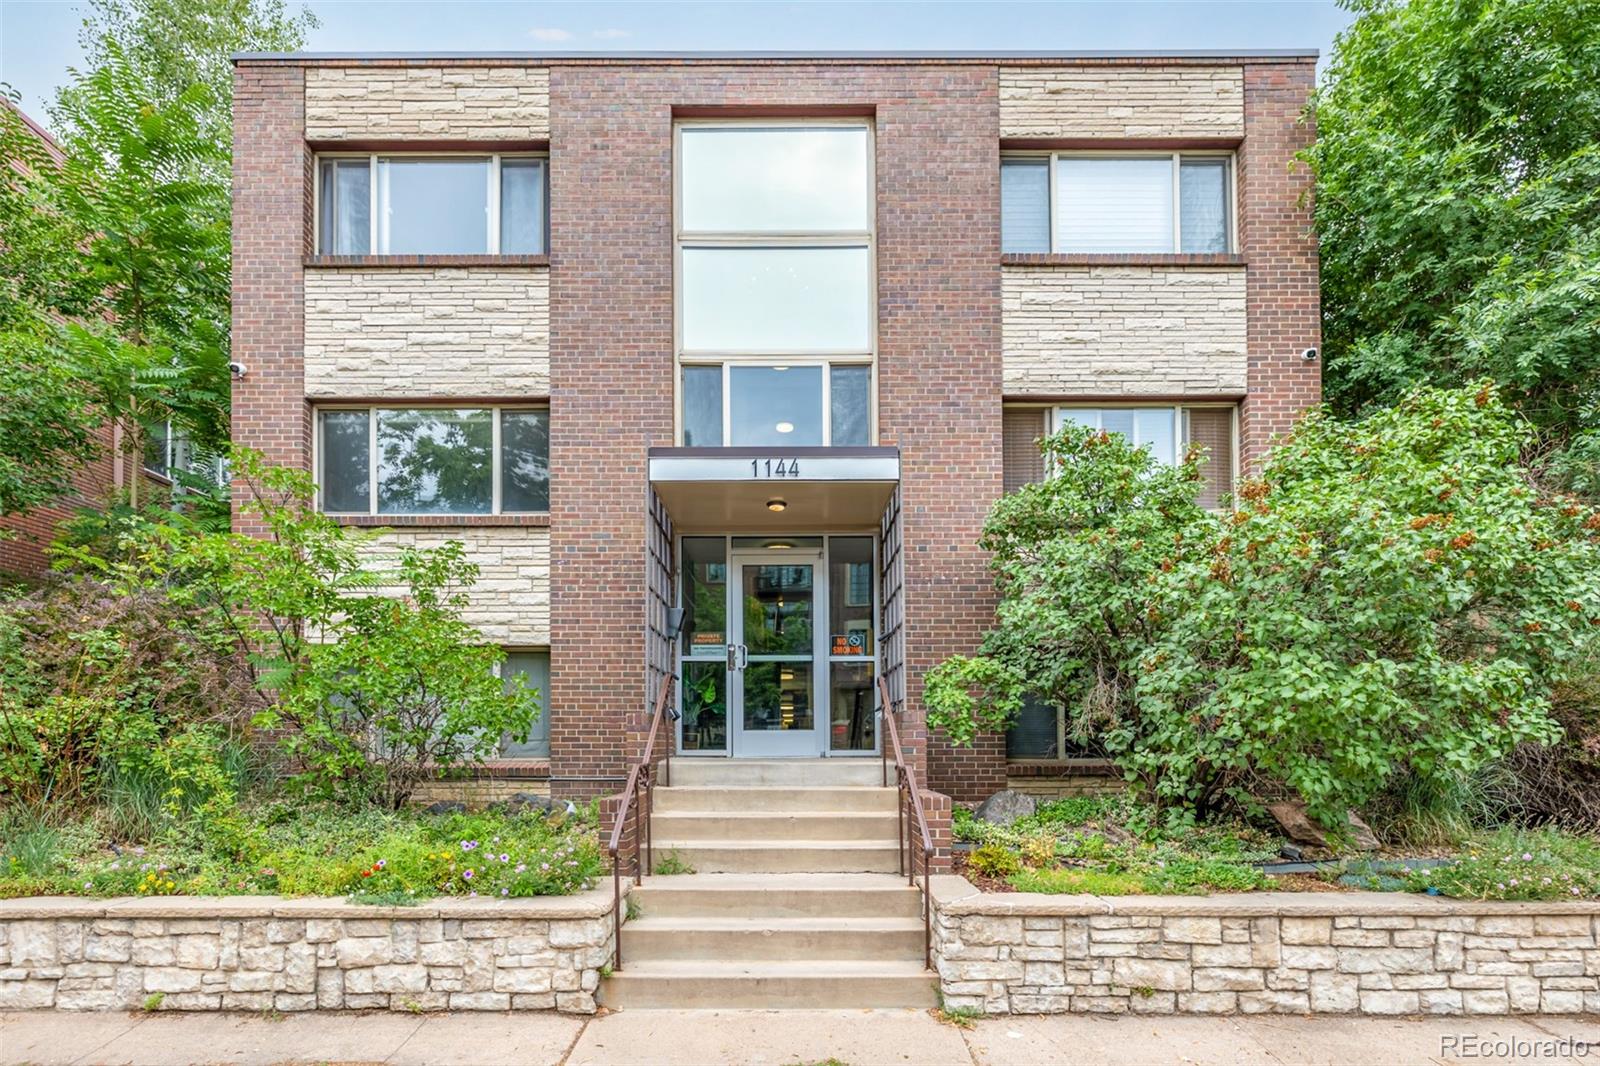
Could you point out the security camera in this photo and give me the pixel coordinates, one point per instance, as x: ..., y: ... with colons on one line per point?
x: 238, y: 369
x: 1309, y: 355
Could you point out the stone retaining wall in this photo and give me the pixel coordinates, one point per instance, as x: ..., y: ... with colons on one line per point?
x: 1270, y: 952
x: 260, y: 953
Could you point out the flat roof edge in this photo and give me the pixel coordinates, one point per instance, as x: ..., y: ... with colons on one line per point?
x: 966, y: 56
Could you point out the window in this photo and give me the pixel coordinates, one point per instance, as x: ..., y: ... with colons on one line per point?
x: 433, y: 460
x: 532, y: 667
x: 748, y: 404
x: 1021, y: 428
x: 1062, y: 202
x: 432, y: 205
x: 1169, y: 432
x: 1040, y: 733
x: 169, y: 454
x: 775, y: 252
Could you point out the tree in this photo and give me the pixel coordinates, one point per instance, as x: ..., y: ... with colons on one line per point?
x: 1392, y: 597
x: 176, y: 45
x: 1458, y: 205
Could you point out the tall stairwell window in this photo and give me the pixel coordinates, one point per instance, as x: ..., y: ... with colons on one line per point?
x: 776, y: 307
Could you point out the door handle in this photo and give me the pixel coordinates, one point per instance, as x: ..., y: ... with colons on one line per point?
x: 744, y: 656
x: 733, y: 656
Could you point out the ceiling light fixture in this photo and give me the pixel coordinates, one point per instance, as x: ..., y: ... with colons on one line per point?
x: 777, y: 505
x: 785, y: 427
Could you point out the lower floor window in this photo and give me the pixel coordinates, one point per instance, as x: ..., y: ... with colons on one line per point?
x: 532, y: 667
x: 433, y: 460
x: 1040, y: 732
x: 778, y: 404
x: 1167, y: 431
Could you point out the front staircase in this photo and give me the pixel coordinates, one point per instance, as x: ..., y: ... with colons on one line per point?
x: 794, y: 903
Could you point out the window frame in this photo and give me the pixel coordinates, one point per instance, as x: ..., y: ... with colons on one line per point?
x: 1230, y: 200
x: 867, y: 238
x: 1055, y: 420
x: 496, y: 465
x: 492, y: 216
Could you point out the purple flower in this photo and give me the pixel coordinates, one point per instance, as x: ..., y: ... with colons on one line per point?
x: 468, y: 875
x: 544, y: 866
x: 1527, y: 856
x: 504, y: 857
x: 382, y: 863
x: 521, y: 866
x: 504, y: 891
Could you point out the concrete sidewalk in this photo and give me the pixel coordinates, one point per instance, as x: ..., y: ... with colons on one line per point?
x: 697, y: 1038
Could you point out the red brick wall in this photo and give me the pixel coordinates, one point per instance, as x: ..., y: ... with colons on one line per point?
x: 1282, y: 297
x: 612, y: 342
x: 271, y: 227
x: 23, y: 554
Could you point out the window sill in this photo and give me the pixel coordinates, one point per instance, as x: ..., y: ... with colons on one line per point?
x: 440, y: 520
x: 519, y: 769
x: 1070, y: 767
x: 397, y: 261
x: 1079, y: 259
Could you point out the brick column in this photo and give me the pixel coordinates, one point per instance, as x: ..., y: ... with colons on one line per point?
x: 1282, y: 298
x: 271, y: 234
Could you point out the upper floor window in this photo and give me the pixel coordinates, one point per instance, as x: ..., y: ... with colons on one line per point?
x: 776, y: 324
x: 431, y: 205
x: 1064, y: 202
x: 433, y: 460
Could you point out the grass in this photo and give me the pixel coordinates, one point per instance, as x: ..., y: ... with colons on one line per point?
x: 1518, y: 864
x: 960, y: 1017
x: 1070, y: 880
x: 673, y: 863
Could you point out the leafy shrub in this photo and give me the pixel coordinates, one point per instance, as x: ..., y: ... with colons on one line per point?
x: 994, y: 860
x: 1391, y: 598
x: 1518, y: 865
x: 1179, y: 875
x: 1038, y: 850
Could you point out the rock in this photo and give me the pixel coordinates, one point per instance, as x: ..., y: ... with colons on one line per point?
x: 1006, y: 806
x: 445, y: 807
x: 1297, y: 826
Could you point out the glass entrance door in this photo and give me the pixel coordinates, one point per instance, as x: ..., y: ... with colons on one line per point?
x: 777, y: 656
x: 773, y: 650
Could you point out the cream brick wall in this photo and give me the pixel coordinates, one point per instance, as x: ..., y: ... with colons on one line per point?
x: 511, y: 600
x: 427, y: 332
x: 1121, y: 102
x: 1123, y: 330
x: 454, y: 103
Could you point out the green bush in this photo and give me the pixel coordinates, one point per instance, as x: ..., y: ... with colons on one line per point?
x: 1392, y: 598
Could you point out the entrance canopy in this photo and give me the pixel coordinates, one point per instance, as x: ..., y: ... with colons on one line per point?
x: 777, y: 489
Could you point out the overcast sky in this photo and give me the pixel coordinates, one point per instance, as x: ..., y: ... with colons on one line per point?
x: 38, y: 38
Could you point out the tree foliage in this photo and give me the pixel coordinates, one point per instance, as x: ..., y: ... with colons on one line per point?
x: 1458, y: 206
x: 1392, y: 597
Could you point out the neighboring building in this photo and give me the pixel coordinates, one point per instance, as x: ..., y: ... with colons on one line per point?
x: 759, y: 336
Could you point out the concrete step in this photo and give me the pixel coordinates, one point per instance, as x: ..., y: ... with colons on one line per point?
x: 736, y: 799
x: 876, y: 826
x: 650, y: 939
x: 731, y: 895
x: 781, y: 856
x: 748, y: 773
x: 830, y: 984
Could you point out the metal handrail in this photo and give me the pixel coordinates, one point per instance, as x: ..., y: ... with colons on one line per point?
x: 910, y: 794
x: 639, y: 783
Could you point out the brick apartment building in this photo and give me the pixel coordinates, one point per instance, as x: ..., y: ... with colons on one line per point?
x: 761, y: 338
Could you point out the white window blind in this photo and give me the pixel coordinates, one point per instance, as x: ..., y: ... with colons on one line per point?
x: 1114, y: 205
